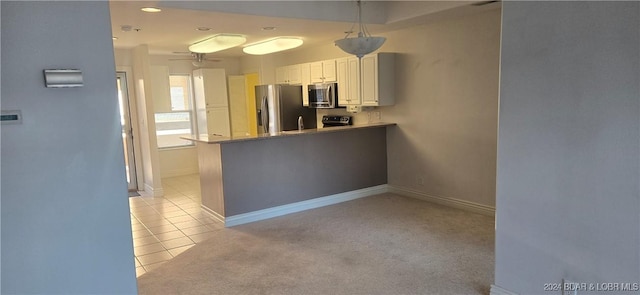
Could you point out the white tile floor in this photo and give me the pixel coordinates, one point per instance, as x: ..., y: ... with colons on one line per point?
x: 164, y: 227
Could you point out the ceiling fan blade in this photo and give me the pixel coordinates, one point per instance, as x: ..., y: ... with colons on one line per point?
x: 198, y: 59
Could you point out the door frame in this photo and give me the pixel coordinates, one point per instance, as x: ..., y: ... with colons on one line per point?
x: 135, y: 126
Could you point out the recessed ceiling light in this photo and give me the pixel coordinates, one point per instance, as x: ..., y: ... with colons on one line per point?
x: 268, y: 28
x: 204, y: 29
x: 150, y: 9
x: 114, y: 38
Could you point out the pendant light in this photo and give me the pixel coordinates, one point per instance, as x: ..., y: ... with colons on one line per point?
x: 364, y: 43
x: 360, y: 46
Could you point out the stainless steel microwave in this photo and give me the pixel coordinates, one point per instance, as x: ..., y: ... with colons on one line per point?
x: 323, y: 96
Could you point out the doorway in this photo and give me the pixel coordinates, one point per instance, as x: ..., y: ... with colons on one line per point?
x: 127, y: 131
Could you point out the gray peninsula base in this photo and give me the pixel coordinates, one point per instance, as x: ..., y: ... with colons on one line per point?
x: 239, y: 177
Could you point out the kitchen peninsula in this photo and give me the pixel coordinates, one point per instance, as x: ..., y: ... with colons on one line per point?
x: 250, y: 178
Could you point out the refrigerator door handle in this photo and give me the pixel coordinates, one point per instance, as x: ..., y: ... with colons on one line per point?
x: 265, y: 114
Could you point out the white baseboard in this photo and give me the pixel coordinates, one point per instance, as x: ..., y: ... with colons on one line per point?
x: 213, y: 214
x: 301, y: 206
x: 496, y: 290
x: 451, y: 202
x: 149, y: 190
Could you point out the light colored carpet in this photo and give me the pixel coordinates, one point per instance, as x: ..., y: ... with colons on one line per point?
x: 384, y: 244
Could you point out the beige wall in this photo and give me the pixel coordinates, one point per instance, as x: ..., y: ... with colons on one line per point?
x: 446, y: 105
x: 177, y: 161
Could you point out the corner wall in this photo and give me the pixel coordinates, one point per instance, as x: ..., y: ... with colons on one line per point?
x: 65, y: 213
x: 568, y: 186
x: 446, y: 110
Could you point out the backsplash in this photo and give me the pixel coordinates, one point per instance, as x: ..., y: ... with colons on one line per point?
x: 358, y: 118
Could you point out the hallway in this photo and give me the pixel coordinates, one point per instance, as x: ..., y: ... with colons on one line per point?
x: 167, y: 226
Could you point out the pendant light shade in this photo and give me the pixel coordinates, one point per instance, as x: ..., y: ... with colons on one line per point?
x: 364, y: 43
x: 360, y: 46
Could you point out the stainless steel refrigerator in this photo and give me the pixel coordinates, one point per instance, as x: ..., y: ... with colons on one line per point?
x: 280, y: 106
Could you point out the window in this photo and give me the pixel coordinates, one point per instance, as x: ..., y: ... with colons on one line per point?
x: 179, y: 121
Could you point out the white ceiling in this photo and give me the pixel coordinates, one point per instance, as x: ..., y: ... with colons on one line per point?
x: 174, y: 29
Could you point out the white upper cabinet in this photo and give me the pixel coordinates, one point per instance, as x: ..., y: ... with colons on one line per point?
x: 210, y: 88
x: 323, y: 71
x: 289, y: 75
x: 212, y: 103
x: 347, y: 77
x: 378, y: 83
x: 305, y: 79
x: 353, y: 82
x: 341, y: 75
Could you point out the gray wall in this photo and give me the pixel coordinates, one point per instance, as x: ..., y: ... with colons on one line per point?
x: 266, y: 173
x: 65, y: 214
x: 446, y: 108
x: 568, y: 180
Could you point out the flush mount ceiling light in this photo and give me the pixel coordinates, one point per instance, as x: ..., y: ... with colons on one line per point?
x: 364, y: 43
x: 217, y: 43
x: 272, y: 45
x: 150, y: 9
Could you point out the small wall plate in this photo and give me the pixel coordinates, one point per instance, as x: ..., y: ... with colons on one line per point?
x: 11, y: 117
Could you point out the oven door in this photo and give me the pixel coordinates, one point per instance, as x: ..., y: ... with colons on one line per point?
x: 322, y: 96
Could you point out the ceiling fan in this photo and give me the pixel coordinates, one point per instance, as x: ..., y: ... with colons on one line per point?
x: 198, y: 59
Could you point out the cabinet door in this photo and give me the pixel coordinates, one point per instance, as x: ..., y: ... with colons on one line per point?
x: 198, y: 90
x: 281, y: 75
x: 289, y: 75
x: 329, y: 71
x: 238, y: 106
x: 305, y: 80
x: 218, y: 121
x: 323, y: 71
x: 293, y: 75
x: 369, y: 80
x: 215, y: 88
x: 353, y: 92
x: 315, y: 70
x: 343, y: 81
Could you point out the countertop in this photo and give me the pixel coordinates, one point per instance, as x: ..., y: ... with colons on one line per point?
x: 205, y: 138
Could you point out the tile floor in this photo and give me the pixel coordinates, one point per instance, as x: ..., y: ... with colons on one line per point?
x: 166, y: 226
